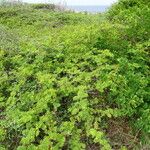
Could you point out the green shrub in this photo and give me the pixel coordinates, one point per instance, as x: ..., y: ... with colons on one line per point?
x: 9, y: 41
x: 70, y: 75
x: 44, y: 6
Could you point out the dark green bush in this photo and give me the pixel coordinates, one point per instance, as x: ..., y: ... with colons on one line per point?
x: 44, y: 6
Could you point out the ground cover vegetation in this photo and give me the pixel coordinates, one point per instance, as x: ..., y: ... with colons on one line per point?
x: 75, y: 81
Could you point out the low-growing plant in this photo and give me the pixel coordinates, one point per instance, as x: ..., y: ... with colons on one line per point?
x: 73, y: 82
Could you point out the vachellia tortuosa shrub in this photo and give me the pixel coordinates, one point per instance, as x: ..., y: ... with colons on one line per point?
x: 135, y: 14
x: 64, y: 86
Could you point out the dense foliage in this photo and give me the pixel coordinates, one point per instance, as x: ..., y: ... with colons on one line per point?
x: 75, y: 81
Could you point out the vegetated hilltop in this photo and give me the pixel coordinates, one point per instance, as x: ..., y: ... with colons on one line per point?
x: 75, y: 81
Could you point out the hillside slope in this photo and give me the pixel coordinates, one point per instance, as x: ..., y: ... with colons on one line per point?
x: 75, y: 81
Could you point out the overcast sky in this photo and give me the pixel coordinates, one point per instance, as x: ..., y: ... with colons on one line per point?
x: 75, y: 2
